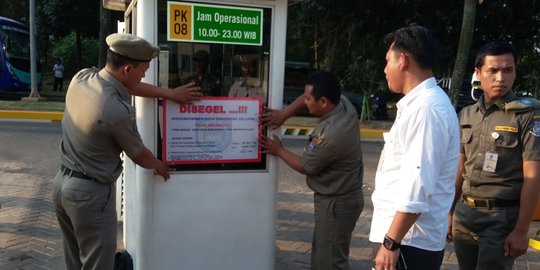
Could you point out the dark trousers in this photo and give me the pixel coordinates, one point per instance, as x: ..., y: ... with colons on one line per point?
x: 415, y: 258
x: 335, y: 218
x: 86, y: 213
x: 58, y: 84
x: 421, y: 259
x: 479, y: 235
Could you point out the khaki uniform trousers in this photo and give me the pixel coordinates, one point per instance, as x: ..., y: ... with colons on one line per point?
x: 335, y: 218
x: 479, y: 234
x: 86, y: 212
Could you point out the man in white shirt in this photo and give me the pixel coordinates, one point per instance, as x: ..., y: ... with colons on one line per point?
x: 58, y: 69
x: 414, y: 183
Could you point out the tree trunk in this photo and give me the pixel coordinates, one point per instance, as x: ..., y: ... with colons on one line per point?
x: 78, y: 42
x: 104, y: 30
x: 465, y: 42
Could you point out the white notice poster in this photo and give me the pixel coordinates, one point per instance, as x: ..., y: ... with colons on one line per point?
x: 212, y: 130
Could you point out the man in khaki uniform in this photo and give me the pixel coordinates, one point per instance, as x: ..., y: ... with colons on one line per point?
x: 99, y: 124
x: 210, y: 85
x: 332, y: 163
x: 499, y: 168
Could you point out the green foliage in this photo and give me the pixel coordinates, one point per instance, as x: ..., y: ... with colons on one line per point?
x: 65, y: 49
x: 346, y: 37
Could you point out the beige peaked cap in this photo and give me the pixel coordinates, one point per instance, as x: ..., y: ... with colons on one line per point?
x: 132, y: 47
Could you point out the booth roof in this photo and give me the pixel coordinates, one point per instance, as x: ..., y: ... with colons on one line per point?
x: 121, y: 5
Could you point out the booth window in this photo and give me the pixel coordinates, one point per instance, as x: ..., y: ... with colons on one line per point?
x: 223, y: 71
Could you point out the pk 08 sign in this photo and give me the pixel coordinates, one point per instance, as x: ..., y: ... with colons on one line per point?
x: 192, y: 22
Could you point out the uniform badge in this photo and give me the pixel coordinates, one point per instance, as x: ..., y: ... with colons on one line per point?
x: 311, y: 147
x: 314, y: 142
x: 535, y: 131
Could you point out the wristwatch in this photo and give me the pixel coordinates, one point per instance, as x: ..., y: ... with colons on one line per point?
x: 390, y: 244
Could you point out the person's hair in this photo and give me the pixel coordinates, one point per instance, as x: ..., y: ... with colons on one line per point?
x: 497, y: 47
x: 325, y: 84
x: 419, y: 42
x: 116, y: 61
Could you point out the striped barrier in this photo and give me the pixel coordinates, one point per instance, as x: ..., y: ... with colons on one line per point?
x: 306, y: 131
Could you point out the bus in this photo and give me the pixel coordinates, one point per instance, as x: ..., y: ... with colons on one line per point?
x: 15, y: 57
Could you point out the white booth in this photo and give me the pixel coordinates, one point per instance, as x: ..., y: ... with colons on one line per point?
x: 218, y: 210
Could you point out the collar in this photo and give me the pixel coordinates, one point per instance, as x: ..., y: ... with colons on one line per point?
x: 339, y: 107
x: 117, y: 85
x: 418, y: 90
x: 500, y: 103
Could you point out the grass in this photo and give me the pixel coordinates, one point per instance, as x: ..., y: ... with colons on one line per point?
x: 32, y: 106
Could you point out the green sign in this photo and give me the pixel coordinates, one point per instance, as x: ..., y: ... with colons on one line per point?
x: 215, y: 24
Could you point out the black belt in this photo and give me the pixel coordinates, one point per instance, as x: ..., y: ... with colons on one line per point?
x: 67, y: 171
x: 489, y: 203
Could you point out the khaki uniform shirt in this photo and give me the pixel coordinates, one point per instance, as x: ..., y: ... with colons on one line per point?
x: 495, y: 142
x: 333, y: 157
x: 98, y: 124
x: 246, y: 87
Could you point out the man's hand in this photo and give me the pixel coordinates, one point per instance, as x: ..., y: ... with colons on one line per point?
x: 273, y: 118
x: 449, y: 237
x: 516, y: 244
x: 271, y: 147
x: 386, y: 259
x: 186, y: 94
x: 163, y: 170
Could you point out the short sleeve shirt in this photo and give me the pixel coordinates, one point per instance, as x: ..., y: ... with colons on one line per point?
x: 333, y: 156
x: 509, y: 136
x: 246, y: 87
x: 98, y: 124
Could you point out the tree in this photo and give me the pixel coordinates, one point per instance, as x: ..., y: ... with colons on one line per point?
x: 58, y: 18
x: 465, y: 44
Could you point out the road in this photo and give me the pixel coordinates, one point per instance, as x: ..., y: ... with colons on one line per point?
x: 30, y: 238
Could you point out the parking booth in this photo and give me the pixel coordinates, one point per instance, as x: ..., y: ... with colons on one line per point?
x: 218, y: 210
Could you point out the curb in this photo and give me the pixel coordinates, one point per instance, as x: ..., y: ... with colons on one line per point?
x: 286, y: 130
x: 32, y: 115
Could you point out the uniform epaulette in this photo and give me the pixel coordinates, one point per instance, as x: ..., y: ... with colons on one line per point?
x: 522, y: 104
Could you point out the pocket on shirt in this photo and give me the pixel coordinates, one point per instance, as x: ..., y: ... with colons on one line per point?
x: 507, y: 140
x: 466, y: 135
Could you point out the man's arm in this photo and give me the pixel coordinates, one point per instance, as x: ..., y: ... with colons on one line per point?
x: 147, y: 160
x: 276, y: 118
x: 275, y: 148
x: 386, y: 259
x: 517, y: 242
x: 184, y: 94
x: 457, y: 195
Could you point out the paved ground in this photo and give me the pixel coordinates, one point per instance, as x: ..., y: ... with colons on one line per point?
x: 30, y: 238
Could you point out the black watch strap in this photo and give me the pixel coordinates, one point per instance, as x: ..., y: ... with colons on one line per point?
x: 390, y: 243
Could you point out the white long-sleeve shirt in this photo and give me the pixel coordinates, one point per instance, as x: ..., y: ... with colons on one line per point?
x: 417, y: 168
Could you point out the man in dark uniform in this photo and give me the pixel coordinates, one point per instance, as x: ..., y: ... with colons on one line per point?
x: 210, y: 85
x: 99, y: 124
x: 499, y: 168
x: 332, y: 163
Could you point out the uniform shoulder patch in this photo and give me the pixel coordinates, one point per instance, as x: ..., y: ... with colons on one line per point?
x: 535, y: 131
x: 523, y: 103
